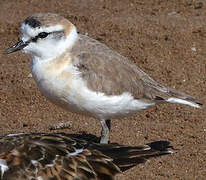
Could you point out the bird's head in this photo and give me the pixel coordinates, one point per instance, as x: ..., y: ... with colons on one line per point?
x: 45, y: 36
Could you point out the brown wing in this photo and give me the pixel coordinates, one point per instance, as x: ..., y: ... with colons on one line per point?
x: 106, y: 71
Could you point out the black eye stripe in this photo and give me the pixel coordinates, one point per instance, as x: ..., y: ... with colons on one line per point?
x: 40, y: 35
x: 43, y: 35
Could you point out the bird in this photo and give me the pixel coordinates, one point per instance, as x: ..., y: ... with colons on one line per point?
x: 85, y: 76
x: 44, y: 156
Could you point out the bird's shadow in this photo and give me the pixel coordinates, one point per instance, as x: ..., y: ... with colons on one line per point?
x: 156, y: 145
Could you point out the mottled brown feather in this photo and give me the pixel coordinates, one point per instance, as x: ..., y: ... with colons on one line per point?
x: 49, y: 156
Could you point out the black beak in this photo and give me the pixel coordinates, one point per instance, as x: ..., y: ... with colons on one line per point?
x: 18, y: 46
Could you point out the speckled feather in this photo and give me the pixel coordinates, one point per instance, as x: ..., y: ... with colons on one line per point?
x: 62, y: 156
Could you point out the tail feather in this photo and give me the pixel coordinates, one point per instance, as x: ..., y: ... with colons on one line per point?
x: 182, y: 98
x: 126, y: 157
x: 153, y: 149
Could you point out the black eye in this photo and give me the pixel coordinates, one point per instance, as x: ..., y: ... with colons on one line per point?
x: 43, y: 35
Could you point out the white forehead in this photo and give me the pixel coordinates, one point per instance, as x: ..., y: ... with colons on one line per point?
x: 28, y: 31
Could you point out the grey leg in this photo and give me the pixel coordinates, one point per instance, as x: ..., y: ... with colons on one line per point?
x: 105, y: 131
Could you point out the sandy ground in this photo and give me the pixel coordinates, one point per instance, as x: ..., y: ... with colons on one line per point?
x: 167, y: 39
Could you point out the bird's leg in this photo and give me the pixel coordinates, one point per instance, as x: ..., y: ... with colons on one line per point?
x: 105, y: 131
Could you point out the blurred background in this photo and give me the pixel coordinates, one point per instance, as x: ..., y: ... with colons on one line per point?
x: 166, y: 39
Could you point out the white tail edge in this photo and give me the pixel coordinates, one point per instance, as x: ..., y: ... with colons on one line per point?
x: 181, y: 101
